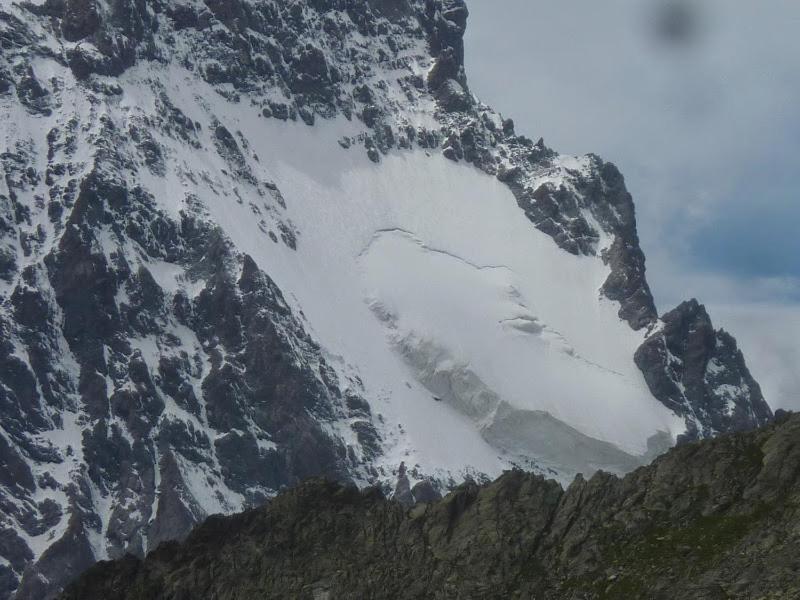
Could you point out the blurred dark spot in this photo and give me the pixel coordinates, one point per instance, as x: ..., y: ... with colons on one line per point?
x: 677, y: 22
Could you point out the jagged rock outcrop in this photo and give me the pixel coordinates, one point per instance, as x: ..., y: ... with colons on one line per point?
x: 713, y: 519
x: 700, y: 373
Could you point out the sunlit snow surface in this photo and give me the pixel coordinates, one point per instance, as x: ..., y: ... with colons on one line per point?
x: 420, y: 253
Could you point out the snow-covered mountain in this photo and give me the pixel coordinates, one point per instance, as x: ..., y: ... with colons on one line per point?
x: 246, y: 242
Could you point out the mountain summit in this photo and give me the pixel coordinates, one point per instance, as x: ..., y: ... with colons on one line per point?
x: 248, y: 242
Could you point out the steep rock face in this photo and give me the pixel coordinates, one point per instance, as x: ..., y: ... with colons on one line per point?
x: 701, y: 374
x: 152, y: 371
x: 714, y: 519
x: 145, y: 375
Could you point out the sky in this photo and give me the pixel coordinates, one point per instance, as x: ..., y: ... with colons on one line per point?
x: 698, y: 103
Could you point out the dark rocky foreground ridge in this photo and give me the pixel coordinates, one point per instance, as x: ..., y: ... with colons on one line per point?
x: 712, y: 519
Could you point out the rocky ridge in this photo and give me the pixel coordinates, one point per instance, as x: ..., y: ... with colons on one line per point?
x: 151, y: 373
x: 700, y: 373
x: 710, y: 519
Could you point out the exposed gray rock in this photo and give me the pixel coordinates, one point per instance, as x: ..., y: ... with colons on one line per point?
x: 79, y: 19
x: 700, y: 373
x: 402, y: 490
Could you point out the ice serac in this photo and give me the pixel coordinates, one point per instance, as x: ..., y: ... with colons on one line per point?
x: 245, y: 243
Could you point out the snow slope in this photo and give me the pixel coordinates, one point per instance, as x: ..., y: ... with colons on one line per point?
x: 421, y: 249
